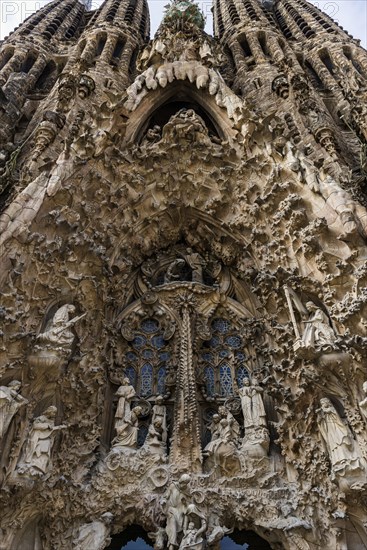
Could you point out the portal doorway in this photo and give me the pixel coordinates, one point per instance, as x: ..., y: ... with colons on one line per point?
x: 132, y: 538
x: 244, y: 540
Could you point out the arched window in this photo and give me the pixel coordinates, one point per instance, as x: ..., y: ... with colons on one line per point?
x: 244, y: 539
x: 146, y: 361
x: 223, y: 359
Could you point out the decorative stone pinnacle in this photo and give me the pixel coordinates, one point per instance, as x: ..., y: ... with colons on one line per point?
x: 180, y: 12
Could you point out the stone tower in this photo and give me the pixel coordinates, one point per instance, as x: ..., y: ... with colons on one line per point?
x: 184, y: 279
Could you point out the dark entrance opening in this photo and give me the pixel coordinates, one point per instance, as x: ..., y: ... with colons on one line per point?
x: 245, y: 540
x: 162, y: 115
x: 133, y: 538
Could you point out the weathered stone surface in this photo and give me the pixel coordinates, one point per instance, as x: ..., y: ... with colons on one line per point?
x: 184, y: 278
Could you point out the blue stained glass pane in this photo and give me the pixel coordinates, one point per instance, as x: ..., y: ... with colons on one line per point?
x: 139, y: 341
x: 148, y: 354
x: 149, y: 326
x: 146, y: 382
x: 164, y: 356
x: 131, y: 374
x: 226, y: 385
x: 224, y: 353
x: 221, y: 325
x: 208, y: 357
x: 142, y: 434
x: 242, y: 373
x: 214, y: 342
x: 158, y: 342
x: 234, y: 342
x: 209, y: 379
x: 131, y: 357
x: 161, y: 380
x: 240, y: 356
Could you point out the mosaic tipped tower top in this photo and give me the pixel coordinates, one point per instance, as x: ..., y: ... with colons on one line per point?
x: 180, y: 12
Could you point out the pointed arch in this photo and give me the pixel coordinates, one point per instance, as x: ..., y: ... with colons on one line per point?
x: 180, y: 92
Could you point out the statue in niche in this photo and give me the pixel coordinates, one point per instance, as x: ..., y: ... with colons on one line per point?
x: 197, y: 264
x: 58, y: 333
x: 175, y: 503
x: 252, y: 405
x: 363, y: 403
x: 36, y: 458
x: 186, y: 126
x: 94, y: 535
x: 160, y: 413
x: 125, y: 393
x: 127, y: 431
x: 193, y: 537
x: 175, y: 271
x: 10, y: 402
x: 338, y: 439
x: 318, y: 334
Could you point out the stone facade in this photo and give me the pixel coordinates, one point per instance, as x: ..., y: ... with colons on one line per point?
x: 184, y: 277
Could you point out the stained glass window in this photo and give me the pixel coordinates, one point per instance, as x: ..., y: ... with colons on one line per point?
x: 161, y: 380
x: 225, y: 377
x: 223, y: 359
x: 210, y: 381
x: 147, y: 359
x: 146, y: 382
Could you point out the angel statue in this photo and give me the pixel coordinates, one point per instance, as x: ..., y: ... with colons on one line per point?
x: 318, y: 334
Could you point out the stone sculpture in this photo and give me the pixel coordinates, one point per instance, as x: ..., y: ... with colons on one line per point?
x: 252, y: 405
x: 94, y: 535
x: 10, y: 403
x: 318, y: 332
x: 154, y: 441
x: 196, y: 263
x: 58, y: 334
x: 338, y: 439
x: 175, y: 504
x: 363, y: 403
x: 125, y: 393
x: 127, y: 431
x: 159, y: 412
x: 192, y: 537
x: 36, y: 456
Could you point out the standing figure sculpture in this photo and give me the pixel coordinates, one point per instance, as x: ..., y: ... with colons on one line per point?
x: 125, y: 393
x: 94, y: 535
x: 318, y: 331
x: 338, y: 439
x: 10, y: 402
x: 175, y: 503
x: 160, y: 413
x: 36, y: 458
x: 252, y: 405
x: 127, y: 431
x: 215, y: 430
x: 197, y: 264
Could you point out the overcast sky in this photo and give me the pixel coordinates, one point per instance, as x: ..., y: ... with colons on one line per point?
x: 350, y: 14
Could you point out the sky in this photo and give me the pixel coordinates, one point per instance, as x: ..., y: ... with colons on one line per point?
x: 350, y: 14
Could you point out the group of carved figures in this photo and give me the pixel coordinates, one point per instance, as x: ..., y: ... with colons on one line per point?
x: 225, y: 430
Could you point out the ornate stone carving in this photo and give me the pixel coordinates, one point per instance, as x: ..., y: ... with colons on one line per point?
x: 95, y: 534
x: 10, y: 403
x: 339, y: 442
x: 35, y: 459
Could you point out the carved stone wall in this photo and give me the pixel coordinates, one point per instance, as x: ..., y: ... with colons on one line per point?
x: 183, y: 286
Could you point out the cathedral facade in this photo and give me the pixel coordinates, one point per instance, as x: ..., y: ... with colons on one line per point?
x: 183, y: 279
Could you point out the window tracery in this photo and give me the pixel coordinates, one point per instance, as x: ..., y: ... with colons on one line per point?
x: 224, y: 359
x: 147, y: 358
